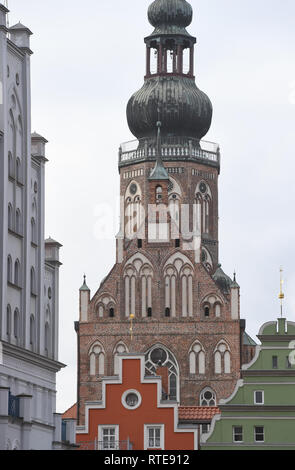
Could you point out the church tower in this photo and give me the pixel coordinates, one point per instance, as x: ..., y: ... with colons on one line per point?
x: 167, y: 295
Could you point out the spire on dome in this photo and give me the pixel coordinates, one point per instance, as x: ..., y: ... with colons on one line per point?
x: 159, y: 172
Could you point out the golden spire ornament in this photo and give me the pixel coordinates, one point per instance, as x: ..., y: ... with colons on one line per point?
x: 281, y: 295
x: 131, y: 318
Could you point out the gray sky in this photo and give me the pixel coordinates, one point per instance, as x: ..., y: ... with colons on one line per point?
x: 88, y: 60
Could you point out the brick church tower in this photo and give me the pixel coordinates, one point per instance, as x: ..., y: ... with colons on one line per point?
x: 167, y: 295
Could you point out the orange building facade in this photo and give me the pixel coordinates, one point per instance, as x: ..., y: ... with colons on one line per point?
x: 132, y: 414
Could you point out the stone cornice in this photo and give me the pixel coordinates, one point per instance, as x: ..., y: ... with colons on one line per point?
x: 260, y: 408
x: 276, y: 338
x: 268, y: 373
x: 31, y: 357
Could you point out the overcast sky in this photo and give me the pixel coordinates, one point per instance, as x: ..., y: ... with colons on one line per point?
x: 88, y: 60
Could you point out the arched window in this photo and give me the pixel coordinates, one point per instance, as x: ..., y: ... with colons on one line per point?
x: 197, y: 359
x: 33, y: 282
x: 9, y: 269
x: 16, y: 324
x: 18, y: 221
x: 97, y: 360
x: 159, y: 193
x: 18, y: 171
x: 222, y: 358
x: 33, y: 231
x: 10, y: 217
x: 32, y: 332
x: 159, y: 356
x: 207, y: 397
x: 206, y: 311
x: 17, y: 276
x: 146, y: 275
x: 100, y: 310
x: 8, y: 322
x: 111, y: 312
x: 119, y: 349
x: 10, y: 165
x: 187, y: 291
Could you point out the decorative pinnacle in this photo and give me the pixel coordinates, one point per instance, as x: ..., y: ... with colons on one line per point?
x: 281, y: 294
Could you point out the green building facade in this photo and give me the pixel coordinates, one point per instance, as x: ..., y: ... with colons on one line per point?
x: 260, y: 414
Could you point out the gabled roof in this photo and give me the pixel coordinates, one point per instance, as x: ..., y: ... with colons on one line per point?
x: 247, y: 340
x: 71, y: 413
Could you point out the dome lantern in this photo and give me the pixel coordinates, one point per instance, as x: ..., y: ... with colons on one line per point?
x: 186, y: 112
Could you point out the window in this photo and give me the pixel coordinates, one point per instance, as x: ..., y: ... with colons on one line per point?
x: 17, y: 279
x: 131, y: 399
x: 112, y: 313
x: 8, y: 321
x: 149, y: 312
x: 259, y: 398
x: 274, y: 362
x: 10, y: 217
x: 10, y: 165
x: 207, y: 397
x: 157, y: 357
x: 238, y: 434
x: 18, y: 222
x: 167, y: 312
x: 205, y: 428
x: 222, y: 359
x: 33, y: 282
x: 119, y: 349
x: 154, y: 437
x: 9, y: 269
x: 16, y: 324
x: 139, y: 243
x: 197, y: 359
x: 108, y: 437
x: 159, y: 193
x: 97, y: 359
x: 32, y: 331
x: 177, y: 243
x: 207, y: 312
x: 259, y: 433
x: 33, y: 231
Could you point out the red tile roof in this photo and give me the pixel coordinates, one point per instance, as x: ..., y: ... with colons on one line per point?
x: 71, y: 413
x: 185, y: 413
x: 197, y: 413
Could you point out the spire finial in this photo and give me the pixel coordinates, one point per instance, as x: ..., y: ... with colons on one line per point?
x: 281, y: 295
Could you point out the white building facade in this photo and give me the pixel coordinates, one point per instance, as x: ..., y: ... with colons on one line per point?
x: 29, y: 266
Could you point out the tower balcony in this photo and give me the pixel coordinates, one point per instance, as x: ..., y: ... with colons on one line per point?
x: 173, y: 150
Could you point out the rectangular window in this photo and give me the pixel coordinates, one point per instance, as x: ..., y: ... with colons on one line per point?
x: 259, y: 434
x: 108, y: 437
x: 205, y: 428
x: 274, y: 362
x: 154, y: 436
x: 238, y: 434
x: 259, y: 398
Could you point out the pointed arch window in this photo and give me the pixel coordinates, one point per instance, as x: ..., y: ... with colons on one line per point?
x: 207, y: 397
x: 18, y: 171
x: 97, y: 360
x: 10, y: 217
x: 8, y: 322
x: 222, y: 358
x: 197, y: 359
x: 119, y: 349
x: 18, y: 222
x: 33, y: 231
x: 17, y: 273
x: 33, y: 282
x: 9, y: 269
x: 159, y: 356
x: 16, y: 324
x: 32, y: 332
x: 10, y: 165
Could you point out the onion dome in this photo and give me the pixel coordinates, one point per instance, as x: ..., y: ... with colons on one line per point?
x: 185, y: 111
x: 170, y: 16
x: 223, y: 281
x: 169, y: 93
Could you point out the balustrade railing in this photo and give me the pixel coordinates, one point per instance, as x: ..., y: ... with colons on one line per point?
x: 172, y: 150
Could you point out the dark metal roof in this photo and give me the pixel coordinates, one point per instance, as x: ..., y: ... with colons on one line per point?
x: 185, y: 110
x: 170, y: 16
